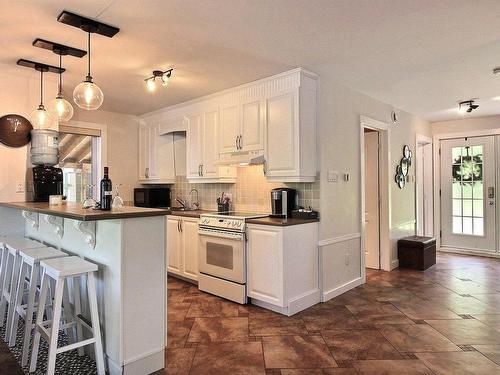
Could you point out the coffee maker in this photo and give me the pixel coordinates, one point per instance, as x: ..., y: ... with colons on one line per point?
x: 43, y: 181
x: 283, y: 201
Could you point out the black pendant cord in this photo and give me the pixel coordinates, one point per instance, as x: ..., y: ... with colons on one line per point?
x: 88, y: 75
x: 60, y: 75
x: 41, y: 88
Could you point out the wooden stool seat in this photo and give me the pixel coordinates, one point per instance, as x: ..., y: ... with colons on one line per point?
x: 69, y: 266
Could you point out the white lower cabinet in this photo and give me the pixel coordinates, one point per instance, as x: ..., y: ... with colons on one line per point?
x: 182, y: 246
x: 282, y: 267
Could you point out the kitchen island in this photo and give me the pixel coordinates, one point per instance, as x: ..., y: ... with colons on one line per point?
x: 128, y: 245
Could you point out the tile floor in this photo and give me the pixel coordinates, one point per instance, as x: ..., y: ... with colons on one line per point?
x: 443, y: 321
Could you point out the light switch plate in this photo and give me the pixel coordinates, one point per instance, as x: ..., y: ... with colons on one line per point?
x: 333, y: 176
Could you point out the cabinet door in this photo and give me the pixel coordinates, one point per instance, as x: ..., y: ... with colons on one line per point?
x: 190, y: 236
x: 143, y: 152
x: 252, y: 125
x: 265, y: 265
x: 210, y: 148
x: 281, y: 138
x: 229, y: 128
x: 164, y: 155
x: 174, y: 246
x: 193, y: 146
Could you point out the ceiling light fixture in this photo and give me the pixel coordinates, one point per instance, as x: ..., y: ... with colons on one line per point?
x: 87, y: 95
x: 59, y: 106
x: 467, y: 106
x: 162, y: 75
x: 40, y: 118
x: 496, y: 71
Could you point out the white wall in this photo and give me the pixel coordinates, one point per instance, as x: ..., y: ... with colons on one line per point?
x: 123, y: 147
x: 339, y: 144
x: 466, y: 124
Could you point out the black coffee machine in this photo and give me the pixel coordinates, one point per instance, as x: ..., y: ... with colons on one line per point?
x: 43, y: 181
x: 283, y: 201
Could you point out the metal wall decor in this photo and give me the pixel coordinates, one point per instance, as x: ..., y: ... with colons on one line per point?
x: 403, y: 169
x: 15, y: 130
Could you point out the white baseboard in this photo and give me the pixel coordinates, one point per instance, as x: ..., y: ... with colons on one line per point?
x: 295, y: 305
x: 329, y: 294
x: 304, y: 301
x: 147, y: 364
x: 468, y: 252
x: 394, y: 264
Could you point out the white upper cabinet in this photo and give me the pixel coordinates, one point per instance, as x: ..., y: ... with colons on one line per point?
x: 274, y: 117
x: 203, y: 149
x: 156, y: 155
x: 229, y: 128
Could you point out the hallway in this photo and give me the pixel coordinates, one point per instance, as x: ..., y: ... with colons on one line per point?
x: 442, y: 321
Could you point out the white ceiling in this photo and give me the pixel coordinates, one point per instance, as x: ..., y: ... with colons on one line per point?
x: 421, y: 56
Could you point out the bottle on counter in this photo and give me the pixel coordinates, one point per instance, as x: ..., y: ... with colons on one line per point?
x: 106, y: 191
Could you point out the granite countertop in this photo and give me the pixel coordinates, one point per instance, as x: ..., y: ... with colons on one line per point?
x: 75, y: 211
x: 280, y: 222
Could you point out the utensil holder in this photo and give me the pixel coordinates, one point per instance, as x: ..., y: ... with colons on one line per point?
x: 221, y: 207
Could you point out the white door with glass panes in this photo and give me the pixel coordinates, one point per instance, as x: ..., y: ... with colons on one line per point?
x: 468, y: 194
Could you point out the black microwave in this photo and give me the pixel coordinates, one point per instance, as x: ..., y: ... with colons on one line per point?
x: 153, y: 197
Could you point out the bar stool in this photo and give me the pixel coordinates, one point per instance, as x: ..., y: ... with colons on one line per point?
x: 11, y: 264
x: 60, y: 269
x: 30, y: 261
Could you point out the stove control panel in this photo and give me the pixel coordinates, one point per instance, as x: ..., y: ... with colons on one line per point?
x: 219, y: 222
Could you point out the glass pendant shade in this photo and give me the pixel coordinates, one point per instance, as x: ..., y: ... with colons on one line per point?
x: 87, y: 95
x: 61, y: 108
x: 41, y: 119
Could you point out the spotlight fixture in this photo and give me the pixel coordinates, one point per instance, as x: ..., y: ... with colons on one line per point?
x: 59, y: 106
x: 87, y: 95
x: 162, y: 75
x: 40, y: 118
x: 467, y: 106
x: 496, y: 71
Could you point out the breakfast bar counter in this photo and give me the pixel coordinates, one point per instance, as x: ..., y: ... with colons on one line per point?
x: 128, y: 246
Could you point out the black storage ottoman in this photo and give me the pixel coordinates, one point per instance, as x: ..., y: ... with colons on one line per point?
x: 417, y: 252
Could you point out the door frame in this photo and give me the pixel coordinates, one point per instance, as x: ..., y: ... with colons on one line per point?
x: 384, y: 191
x: 437, y: 184
x: 421, y: 139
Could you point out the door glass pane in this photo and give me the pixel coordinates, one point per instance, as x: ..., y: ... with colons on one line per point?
x: 467, y: 190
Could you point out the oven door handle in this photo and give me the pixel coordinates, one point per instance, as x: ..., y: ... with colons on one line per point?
x: 235, y: 236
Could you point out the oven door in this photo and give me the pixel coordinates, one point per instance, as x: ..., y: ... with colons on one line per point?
x: 222, y: 254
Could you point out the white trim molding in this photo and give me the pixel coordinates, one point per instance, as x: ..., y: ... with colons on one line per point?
x: 337, y: 291
x: 333, y: 240
x: 57, y: 223
x: 32, y: 218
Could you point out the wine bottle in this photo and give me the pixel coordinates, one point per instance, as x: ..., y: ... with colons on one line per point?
x: 106, y: 191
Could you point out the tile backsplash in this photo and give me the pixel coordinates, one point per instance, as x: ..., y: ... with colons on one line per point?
x: 251, y: 192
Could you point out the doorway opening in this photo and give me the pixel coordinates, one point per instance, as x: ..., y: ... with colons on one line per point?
x: 424, y: 186
x: 372, y: 198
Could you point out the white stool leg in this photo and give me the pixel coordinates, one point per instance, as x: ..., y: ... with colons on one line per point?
x: 51, y: 289
x: 39, y: 320
x: 28, y: 323
x: 78, y: 311
x: 12, y: 294
x: 96, y: 328
x: 54, y: 331
x: 9, y: 263
x: 69, y: 317
x: 3, y: 270
x: 18, y: 301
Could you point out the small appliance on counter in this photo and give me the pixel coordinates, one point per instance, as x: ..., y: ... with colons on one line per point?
x: 42, y: 182
x: 305, y: 213
x: 283, y: 201
x: 152, y: 197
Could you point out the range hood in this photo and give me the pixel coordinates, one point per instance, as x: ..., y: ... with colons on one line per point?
x: 242, y: 158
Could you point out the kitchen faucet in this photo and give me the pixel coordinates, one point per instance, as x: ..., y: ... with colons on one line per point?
x: 197, y: 202
x: 182, y: 202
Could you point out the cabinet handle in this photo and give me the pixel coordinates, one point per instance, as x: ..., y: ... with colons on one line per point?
x: 236, y: 142
x: 178, y: 229
x: 146, y: 172
x: 264, y: 169
x: 202, y: 170
x: 181, y: 225
x: 199, y: 170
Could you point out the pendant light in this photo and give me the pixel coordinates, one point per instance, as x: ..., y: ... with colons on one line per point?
x: 87, y: 95
x: 60, y: 107
x: 40, y: 118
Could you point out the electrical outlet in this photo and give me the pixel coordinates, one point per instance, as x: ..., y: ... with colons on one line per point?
x: 346, y: 259
x: 20, y: 187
